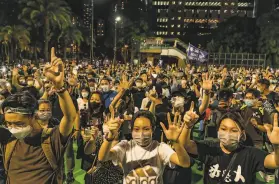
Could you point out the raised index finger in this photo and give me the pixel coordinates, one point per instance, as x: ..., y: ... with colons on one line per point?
x: 53, y: 52
x: 192, y: 107
x: 275, y: 121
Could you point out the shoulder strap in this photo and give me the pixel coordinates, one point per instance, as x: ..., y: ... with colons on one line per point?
x: 46, y: 146
x: 10, y: 147
x: 261, y: 110
x: 47, y: 149
x: 243, y: 107
x: 228, y: 168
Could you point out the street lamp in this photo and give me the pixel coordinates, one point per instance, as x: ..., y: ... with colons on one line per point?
x: 117, y: 19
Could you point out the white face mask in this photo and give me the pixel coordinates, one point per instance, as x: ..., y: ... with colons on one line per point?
x: 178, y: 102
x: 154, y: 75
x: 229, y: 140
x: 21, y: 133
x: 138, y: 84
x: 165, y: 92
x: 142, y: 139
x: 84, y: 94
x: 105, y: 88
x: 30, y: 83
x: 92, y: 89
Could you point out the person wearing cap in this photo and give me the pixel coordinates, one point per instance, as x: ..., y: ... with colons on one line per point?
x: 227, y: 160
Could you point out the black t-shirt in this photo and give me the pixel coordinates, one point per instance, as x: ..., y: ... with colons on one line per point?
x: 268, y: 104
x: 254, y: 135
x: 248, y: 161
x: 138, y: 96
x: 56, y: 110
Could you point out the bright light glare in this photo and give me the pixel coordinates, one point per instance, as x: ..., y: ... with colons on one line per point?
x: 4, y: 69
x: 117, y: 19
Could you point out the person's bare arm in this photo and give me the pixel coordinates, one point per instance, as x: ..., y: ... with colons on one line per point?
x: 272, y: 160
x: 206, y: 86
x: 55, y: 74
x: 189, y: 119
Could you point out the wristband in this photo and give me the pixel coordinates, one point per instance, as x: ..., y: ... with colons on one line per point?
x: 109, y: 140
x: 207, y: 92
x: 61, y: 90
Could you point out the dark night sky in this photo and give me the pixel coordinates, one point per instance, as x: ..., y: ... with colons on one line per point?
x: 102, y: 7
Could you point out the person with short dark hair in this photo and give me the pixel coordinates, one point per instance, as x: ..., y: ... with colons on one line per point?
x: 107, y: 94
x: 33, y: 154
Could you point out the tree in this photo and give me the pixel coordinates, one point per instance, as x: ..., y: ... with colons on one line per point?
x: 70, y: 35
x: 269, y: 37
x: 51, y: 14
x: 14, y: 39
x: 237, y: 32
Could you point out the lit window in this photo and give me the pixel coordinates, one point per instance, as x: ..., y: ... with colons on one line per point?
x: 178, y: 33
x: 165, y: 3
x: 179, y: 18
x: 180, y: 2
x: 173, y: 2
x: 172, y: 18
x: 172, y: 25
x: 226, y: 4
x: 232, y: 3
x: 172, y: 33
x: 225, y: 11
x: 155, y: 3
x: 178, y: 25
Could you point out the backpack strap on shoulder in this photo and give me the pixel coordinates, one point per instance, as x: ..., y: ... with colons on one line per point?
x: 261, y: 110
x: 46, y: 146
x: 10, y: 147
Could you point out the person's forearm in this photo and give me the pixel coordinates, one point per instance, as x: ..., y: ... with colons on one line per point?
x: 77, y: 121
x: 198, y: 94
x: 45, y: 95
x: 15, y: 83
x: 104, y: 151
x: 90, y: 147
x: 67, y: 105
x: 182, y: 155
x: 276, y: 154
x: 184, y: 138
x: 152, y: 107
x: 117, y: 97
x: 205, y: 102
x: 261, y: 128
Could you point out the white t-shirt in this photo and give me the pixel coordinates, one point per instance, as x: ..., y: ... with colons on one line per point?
x: 143, y: 165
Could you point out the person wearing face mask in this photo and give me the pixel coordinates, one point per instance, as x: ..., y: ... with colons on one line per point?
x: 83, y: 100
x: 256, y: 118
x: 149, y: 157
x: 266, y: 95
x: 138, y: 92
x: 230, y: 161
x: 32, y: 152
x: 107, y: 94
x: 44, y: 115
x: 92, y: 84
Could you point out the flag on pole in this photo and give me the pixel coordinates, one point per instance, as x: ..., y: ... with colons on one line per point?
x: 197, y: 54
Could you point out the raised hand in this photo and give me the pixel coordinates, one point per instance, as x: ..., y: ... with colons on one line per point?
x: 273, y: 134
x: 190, y: 117
x: 207, y: 83
x: 113, y: 123
x: 90, y: 134
x: 54, y: 72
x: 124, y: 83
x: 175, y: 127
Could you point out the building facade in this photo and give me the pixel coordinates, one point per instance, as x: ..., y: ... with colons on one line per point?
x: 87, y: 14
x: 100, y: 28
x: 174, y: 17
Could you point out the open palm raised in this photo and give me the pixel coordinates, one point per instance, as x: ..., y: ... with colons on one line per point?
x: 175, y: 128
x: 273, y: 134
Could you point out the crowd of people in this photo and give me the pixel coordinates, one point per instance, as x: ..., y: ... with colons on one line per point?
x: 135, y: 124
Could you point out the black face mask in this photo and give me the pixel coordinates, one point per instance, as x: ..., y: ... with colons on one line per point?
x: 96, y: 109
